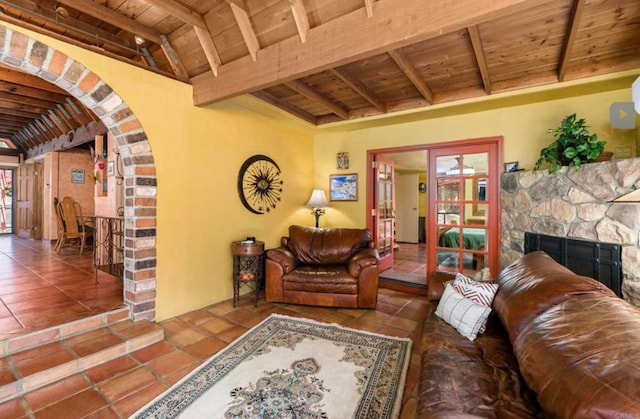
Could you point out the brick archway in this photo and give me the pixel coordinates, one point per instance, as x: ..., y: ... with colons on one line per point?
x: 140, y: 183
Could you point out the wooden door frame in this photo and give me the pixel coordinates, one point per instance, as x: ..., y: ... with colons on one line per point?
x: 371, y: 154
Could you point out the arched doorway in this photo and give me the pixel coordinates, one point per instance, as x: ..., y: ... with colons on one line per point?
x: 34, y: 57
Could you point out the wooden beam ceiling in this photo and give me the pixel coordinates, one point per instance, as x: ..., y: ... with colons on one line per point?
x: 246, y: 28
x: 361, y: 89
x: 308, y: 92
x: 481, y: 59
x: 412, y: 74
x: 300, y: 17
x: 576, y: 15
x: 391, y: 27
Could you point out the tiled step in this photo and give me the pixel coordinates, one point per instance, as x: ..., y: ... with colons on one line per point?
x: 29, y: 369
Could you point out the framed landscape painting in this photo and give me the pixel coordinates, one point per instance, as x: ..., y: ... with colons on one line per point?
x: 343, y: 187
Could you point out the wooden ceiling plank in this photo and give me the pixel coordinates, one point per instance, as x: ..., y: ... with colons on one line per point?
x: 174, y: 60
x: 64, y: 114
x: 79, y: 111
x: 73, y: 114
x: 284, y: 105
x: 410, y: 71
x: 574, y: 24
x: 18, y: 77
x: 481, y: 59
x: 116, y: 19
x: 181, y: 12
x: 59, y: 122
x: 246, y: 28
x: 16, y: 89
x: 27, y: 100
x: 368, y: 5
x: 361, y: 89
x: 312, y: 94
x: 21, y: 114
x: 391, y: 27
x: 300, y: 17
x: 53, y: 128
x: 192, y: 18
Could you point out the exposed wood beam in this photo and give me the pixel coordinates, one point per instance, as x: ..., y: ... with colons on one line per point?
x: 574, y: 23
x: 67, y: 116
x: 481, y: 59
x: 36, y: 8
x: 174, y: 60
x: 209, y: 48
x: 361, y: 89
x: 410, y: 72
x: 17, y: 89
x: 312, y: 94
x: 300, y: 17
x: 391, y: 27
x: 27, y: 100
x: 246, y: 28
x: 21, y: 114
x: 74, y: 115
x: 56, y: 121
x: 284, y: 105
x: 18, y: 77
x: 368, y: 4
x: 108, y: 15
x: 191, y: 17
x: 93, y: 48
x: 5, y: 104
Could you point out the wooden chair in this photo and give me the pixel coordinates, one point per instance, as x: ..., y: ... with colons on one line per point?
x: 73, y: 228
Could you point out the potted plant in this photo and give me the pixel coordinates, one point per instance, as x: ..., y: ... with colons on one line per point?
x: 573, y: 145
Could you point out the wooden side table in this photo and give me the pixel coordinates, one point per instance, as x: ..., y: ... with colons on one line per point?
x: 248, y: 268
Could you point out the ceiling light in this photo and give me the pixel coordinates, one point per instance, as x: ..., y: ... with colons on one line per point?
x: 62, y: 12
x: 139, y: 40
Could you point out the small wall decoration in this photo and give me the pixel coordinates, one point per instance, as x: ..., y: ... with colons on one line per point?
x: 260, y: 184
x: 343, y: 187
x: 342, y: 160
x: 111, y: 168
x: 511, y: 166
x: 422, y: 187
x: 77, y: 176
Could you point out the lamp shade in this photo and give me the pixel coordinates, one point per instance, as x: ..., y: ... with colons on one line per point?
x: 631, y: 197
x: 318, y: 199
x: 635, y: 94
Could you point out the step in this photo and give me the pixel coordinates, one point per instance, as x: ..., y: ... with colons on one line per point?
x: 48, y: 362
x: 22, y: 342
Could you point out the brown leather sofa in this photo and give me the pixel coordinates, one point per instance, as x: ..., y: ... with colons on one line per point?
x: 558, y: 345
x: 335, y: 267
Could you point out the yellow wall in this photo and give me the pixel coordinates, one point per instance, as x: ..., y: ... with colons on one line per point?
x: 522, y: 124
x: 198, y: 152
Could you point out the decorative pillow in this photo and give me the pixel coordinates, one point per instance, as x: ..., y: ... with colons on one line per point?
x: 462, y: 313
x: 479, y: 292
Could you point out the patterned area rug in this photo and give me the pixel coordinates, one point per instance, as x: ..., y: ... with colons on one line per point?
x: 289, y: 367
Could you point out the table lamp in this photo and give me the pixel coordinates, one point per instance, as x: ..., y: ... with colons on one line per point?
x: 318, y: 202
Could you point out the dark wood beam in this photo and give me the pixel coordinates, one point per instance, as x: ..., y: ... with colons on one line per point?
x: 285, y: 106
x: 17, y: 89
x: 361, y: 89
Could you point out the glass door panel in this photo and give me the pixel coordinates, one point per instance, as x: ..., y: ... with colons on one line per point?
x: 384, y: 211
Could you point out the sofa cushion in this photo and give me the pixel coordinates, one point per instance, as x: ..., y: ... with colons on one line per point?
x: 331, y: 278
x: 462, y: 313
x: 533, y: 284
x: 326, y: 246
x: 582, y: 357
x: 479, y: 292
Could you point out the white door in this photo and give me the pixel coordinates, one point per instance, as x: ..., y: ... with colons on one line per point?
x: 407, y: 208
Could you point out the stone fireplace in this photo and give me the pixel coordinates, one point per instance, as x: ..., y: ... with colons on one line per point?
x: 576, y: 203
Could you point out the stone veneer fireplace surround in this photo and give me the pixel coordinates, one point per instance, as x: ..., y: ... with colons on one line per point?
x: 575, y: 203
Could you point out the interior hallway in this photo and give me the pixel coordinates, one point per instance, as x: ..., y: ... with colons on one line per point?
x: 40, y: 289
x: 409, y: 264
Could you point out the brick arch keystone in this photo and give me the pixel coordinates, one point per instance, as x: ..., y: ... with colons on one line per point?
x: 140, y: 183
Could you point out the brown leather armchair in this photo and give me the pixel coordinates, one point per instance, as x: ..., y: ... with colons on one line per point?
x: 334, y: 267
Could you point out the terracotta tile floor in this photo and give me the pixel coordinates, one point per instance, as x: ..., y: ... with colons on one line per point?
x: 118, y: 388
x: 409, y: 264
x: 40, y: 289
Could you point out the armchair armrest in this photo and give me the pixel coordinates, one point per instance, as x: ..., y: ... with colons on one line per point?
x: 282, y: 257
x: 361, y: 260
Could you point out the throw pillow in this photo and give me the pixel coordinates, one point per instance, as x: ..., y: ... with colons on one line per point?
x: 479, y: 292
x: 462, y: 313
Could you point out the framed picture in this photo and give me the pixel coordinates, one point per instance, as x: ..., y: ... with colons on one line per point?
x: 110, y: 168
x: 343, y: 187
x: 77, y: 176
x: 511, y: 166
x: 342, y: 160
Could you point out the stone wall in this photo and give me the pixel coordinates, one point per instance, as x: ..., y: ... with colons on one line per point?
x: 576, y: 203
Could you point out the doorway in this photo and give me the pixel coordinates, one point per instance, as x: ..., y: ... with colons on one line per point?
x: 6, y: 201
x: 440, y: 192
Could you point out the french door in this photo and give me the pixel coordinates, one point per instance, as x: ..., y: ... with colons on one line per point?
x: 384, y: 211
x: 463, y: 208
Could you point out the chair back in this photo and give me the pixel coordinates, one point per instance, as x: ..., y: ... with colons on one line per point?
x: 71, y: 218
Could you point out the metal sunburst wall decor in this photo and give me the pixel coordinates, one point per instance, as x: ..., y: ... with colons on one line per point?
x: 260, y: 184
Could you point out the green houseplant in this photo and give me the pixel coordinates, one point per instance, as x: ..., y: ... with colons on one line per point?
x: 573, y: 145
